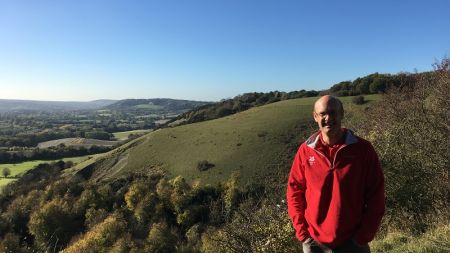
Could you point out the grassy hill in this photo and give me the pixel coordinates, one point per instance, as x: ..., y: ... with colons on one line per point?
x: 155, y: 104
x: 18, y: 169
x: 77, y: 142
x: 258, y: 143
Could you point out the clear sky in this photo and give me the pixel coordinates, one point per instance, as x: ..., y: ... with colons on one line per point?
x: 211, y: 49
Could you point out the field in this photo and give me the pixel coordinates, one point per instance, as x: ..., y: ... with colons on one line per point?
x: 76, y: 142
x: 256, y: 143
x: 19, y: 168
x: 124, y: 135
x: 399, y: 242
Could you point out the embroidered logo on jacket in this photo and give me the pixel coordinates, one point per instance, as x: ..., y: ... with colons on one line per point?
x: 311, y: 160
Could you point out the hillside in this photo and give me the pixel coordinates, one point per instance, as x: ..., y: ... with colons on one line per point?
x: 77, y: 142
x: 257, y: 143
x: 237, y: 104
x: 161, y: 105
x: 31, y: 105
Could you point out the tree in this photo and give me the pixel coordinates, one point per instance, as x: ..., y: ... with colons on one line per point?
x: 101, y: 237
x: 53, y: 225
x: 160, y: 239
x: 6, y: 172
x: 410, y: 132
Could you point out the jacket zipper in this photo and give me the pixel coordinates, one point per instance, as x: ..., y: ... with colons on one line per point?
x: 334, y: 158
x: 337, y: 151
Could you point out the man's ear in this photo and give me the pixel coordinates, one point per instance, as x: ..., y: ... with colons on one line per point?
x: 315, y: 116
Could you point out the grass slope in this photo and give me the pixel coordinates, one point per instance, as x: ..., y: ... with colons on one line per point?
x: 434, y: 241
x: 124, y: 135
x: 17, y: 169
x: 257, y: 143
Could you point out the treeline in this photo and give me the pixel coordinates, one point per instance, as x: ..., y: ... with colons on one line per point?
x: 373, y: 84
x: 51, y: 153
x: 32, y: 140
x: 44, y: 212
x: 237, y: 104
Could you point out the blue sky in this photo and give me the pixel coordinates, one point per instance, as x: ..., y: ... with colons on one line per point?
x: 211, y: 49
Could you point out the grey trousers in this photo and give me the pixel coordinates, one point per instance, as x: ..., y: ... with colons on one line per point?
x: 312, y: 246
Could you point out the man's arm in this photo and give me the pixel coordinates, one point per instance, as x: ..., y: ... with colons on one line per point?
x: 296, y: 198
x: 374, y: 199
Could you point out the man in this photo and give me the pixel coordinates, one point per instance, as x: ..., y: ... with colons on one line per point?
x: 335, y: 190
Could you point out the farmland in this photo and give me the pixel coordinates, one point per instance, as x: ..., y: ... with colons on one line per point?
x: 17, y: 169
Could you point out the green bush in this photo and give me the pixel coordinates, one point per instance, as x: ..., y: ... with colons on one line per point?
x: 358, y: 100
x: 410, y: 130
x: 204, y: 165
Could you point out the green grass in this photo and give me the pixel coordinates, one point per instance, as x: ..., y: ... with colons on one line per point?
x: 256, y: 142
x: 5, y: 181
x: 124, y: 135
x: 17, y: 169
x: 149, y: 106
x: 434, y: 241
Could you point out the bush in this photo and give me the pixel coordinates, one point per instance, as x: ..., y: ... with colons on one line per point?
x: 358, y: 100
x: 160, y: 239
x: 204, y: 165
x: 53, y: 225
x: 409, y: 130
x: 255, y: 227
x: 6, y: 172
x: 101, y: 237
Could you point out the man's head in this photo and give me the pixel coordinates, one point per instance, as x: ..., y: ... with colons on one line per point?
x: 328, y: 113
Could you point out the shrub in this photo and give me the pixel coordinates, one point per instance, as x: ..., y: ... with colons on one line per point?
x: 6, y: 172
x: 161, y: 239
x: 101, y: 237
x: 255, y: 227
x: 409, y: 130
x: 11, y: 244
x: 204, y: 165
x: 358, y: 100
x: 53, y: 225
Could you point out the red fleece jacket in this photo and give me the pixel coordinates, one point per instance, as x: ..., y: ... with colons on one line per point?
x: 334, y: 201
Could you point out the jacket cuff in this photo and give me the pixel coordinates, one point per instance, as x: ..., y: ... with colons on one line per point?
x: 303, y: 236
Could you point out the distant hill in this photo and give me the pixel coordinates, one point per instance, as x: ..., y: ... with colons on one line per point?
x: 258, y: 143
x: 157, y: 105
x: 32, y: 105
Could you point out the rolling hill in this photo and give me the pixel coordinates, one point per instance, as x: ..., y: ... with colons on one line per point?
x: 31, y: 105
x: 258, y: 143
x: 155, y: 105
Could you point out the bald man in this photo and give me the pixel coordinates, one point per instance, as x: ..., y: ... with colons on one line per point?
x: 335, y: 190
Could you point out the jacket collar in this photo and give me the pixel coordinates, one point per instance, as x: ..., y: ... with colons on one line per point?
x: 350, y: 138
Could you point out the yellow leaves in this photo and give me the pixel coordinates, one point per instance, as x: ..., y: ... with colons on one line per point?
x: 100, y: 237
x: 52, y: 224
x: 135, y: 193
x: 231, y: 193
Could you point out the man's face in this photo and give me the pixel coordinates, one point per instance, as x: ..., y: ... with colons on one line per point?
x: 328, y: 114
